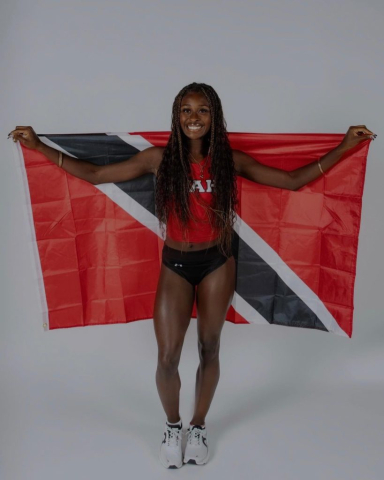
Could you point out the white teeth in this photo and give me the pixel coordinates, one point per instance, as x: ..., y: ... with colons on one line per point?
x: 193, y: 127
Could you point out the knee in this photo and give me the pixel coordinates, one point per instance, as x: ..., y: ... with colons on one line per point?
x: 168, y: 361
x: 209, y: 349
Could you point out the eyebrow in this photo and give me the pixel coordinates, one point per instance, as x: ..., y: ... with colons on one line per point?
x: 201, y: 105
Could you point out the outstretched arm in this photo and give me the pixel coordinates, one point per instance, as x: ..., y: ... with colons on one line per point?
x: 146, y: 161
x: 247, y: 167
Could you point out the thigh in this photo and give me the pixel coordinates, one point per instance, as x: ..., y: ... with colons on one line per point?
x: 172, y: 310
x: 213, y: 298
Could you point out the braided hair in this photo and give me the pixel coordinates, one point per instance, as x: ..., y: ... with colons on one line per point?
x: 174, y: 180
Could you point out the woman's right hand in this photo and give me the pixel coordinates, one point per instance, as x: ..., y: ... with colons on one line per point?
x: 26, y: 136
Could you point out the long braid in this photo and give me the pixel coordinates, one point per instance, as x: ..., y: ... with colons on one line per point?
x: 174, y: 179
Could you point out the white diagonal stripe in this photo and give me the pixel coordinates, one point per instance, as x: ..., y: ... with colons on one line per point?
x: 129, y: 205
x: 247, y: 311
x: 294, y: 282
x: 136, y: 141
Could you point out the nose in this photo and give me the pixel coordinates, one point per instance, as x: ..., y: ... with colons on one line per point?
x: 194, y: 116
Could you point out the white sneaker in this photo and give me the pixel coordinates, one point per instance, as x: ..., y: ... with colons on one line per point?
x: 196, y: 450
x: 170, y: 454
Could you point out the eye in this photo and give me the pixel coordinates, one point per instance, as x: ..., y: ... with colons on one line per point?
x: 185, y: 109
x: 204, y: 110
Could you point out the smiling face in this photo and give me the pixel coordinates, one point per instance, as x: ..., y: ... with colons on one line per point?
x: 195, y: 115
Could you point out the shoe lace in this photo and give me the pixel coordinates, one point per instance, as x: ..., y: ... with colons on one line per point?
x: 173, y: 436
x: 194, y: 436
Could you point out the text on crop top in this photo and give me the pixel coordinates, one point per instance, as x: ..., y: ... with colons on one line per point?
x: 200, y: 199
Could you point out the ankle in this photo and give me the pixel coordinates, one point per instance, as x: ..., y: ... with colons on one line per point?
x: 202, y: 424
x: 174, y: 422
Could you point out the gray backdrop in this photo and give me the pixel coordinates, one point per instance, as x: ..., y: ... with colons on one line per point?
x: 291, y: 403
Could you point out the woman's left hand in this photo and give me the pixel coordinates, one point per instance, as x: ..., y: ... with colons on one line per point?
x: 355, y: 135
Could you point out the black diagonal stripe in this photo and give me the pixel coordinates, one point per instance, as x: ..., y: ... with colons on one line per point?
x: 260, y: 285
x: 102, y: 149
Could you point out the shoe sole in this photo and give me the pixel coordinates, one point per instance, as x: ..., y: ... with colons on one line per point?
x: 168, y: 466
x: 192, y: 461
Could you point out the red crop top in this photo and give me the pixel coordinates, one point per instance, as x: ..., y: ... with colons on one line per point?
x: 200, y: 196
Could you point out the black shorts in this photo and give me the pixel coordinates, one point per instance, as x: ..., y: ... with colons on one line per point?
x: 195, y: 265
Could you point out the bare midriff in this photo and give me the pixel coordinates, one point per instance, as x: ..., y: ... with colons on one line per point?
x: 190, y: 246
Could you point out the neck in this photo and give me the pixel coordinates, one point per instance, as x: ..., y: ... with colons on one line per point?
x: 197, y: 150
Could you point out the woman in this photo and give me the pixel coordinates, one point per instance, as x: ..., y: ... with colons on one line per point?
x: 196, y: 197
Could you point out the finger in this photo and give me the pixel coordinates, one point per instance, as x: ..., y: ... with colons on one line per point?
x: 16, y: 131
x: 363, y: 131
x: 18, y: 128
x: 18, y: 135
x: 363, y: 128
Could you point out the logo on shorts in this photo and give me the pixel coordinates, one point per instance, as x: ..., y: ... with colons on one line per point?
x: 178, y: 265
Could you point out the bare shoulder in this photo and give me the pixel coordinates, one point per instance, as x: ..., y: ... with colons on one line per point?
x: 235, y: 152
x: 239, y: 155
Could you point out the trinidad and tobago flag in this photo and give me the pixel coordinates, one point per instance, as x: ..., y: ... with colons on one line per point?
x: 96, y: 249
